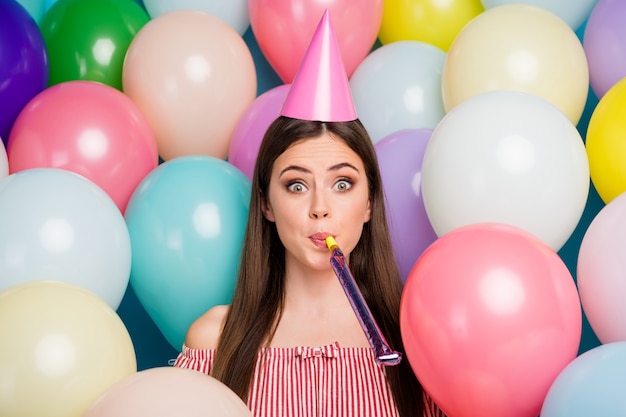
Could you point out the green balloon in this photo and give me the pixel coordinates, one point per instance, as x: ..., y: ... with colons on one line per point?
x: 88, y: 39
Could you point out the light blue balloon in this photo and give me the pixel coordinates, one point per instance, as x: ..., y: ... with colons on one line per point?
x: 398, y: 86
x: 574, y: 13
x: 593, y: 384
x: 36, y: 8
x: 186, y: 221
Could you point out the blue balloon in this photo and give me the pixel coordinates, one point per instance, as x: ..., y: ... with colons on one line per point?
x: 23, y: 63
x: 186, y: 221
x: 591, y: 385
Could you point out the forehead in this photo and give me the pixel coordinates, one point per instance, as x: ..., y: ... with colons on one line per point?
x: 324, y: 150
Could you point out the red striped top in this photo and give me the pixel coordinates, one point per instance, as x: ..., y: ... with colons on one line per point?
x: 329, y: 381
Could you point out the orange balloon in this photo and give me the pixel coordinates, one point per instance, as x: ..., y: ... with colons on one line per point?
x: 193, y: 76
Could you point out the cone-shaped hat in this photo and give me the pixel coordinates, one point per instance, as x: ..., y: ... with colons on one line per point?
x: 320, y: 89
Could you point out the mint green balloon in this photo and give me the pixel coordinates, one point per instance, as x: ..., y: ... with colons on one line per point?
x: 186, y: 222
x: 88, y: 39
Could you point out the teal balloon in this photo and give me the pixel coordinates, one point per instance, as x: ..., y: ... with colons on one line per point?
x: 591, y: 385
x: 186, y: 222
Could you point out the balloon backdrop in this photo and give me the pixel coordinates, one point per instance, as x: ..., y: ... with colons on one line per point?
x: 591, y: 385
x: 88, y: 128
x: 400, y: 159
x: 506, y: 157
x: 36, y: 8
x: 397, y: 87
x: 251, y: 127
x: 284, y: 31
x: 601, y: 271
x: 62, y: 347
x: 87, y: 40
x: 193, y: 77
x: 606, y: 143
x: 168, y: 391
x: 186, y: 222
x: 233, y: 12
x: 58, y: 225
x: 604, y: 42
x: 431, y: 21
x: 489, y: 317
x: 23, y: 63
x: 574, y: 13
x: 534, y: 51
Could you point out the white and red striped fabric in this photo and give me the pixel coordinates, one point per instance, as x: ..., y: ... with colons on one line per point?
x: 329, y: 381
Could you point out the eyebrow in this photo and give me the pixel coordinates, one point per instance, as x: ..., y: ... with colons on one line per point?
x: 307, y: 171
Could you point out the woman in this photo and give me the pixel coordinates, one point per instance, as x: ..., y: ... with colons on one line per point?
x: 290, y: 343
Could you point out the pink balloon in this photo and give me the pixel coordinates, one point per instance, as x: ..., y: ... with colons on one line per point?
x: 88, y: 128
x: 601, y: 272
x: 490, y: 316
x: 168, y: 391
x: 283, y: 30
x: 248, y: 134
x: 400, y: 159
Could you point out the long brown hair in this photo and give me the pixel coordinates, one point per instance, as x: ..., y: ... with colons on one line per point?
x: 258, y: 299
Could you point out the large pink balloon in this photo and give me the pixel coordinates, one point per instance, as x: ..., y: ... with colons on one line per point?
x: 88, y: 128
x: 249, y: 132
x: 168, y: 391
x: 283, y: 30
x: 490, y: 316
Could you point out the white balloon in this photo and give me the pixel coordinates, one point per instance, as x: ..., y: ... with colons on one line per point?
x: 4, y: 161
x: 398, y: 86
x: 506, y: 157
x: 58, y: 225
x: 233, y: 12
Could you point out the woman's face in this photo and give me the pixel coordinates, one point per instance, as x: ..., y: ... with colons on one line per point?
x: 318, y: 187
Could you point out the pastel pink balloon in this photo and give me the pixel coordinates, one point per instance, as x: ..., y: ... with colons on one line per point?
x: 283, y: 30
x: 88, y: 128
x: 601, y: 272
x: 193, y: 76
x: 490, y: 316
x: 248, y: 134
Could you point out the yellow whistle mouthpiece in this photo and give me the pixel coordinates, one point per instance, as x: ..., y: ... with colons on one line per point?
x: 330, y: 242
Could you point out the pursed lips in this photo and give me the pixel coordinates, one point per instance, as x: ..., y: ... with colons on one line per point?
x: 319, y: 239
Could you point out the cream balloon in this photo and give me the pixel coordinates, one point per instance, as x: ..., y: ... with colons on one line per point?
x: 193, y: 77
x: 169, y: 391
x: 506, y: 157
x: 62, y: 347
x: 4, y: 161
x: 521, y: 48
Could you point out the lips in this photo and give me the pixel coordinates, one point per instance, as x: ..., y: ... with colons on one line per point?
x: 319, y: 239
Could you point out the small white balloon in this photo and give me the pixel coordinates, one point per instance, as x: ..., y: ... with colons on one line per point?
x: 58, y: 225
x: 233, y: 12
x: 506, y: 157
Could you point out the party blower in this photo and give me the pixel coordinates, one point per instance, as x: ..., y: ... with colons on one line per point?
x: 383, y: 353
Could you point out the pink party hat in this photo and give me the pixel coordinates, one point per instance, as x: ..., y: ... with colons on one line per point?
x: 320, y: 89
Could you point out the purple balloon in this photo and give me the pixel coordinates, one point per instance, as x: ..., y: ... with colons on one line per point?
x: 400, y: 157
x: 604, y: 42
x: 23, y: 62
x: 248, y: 134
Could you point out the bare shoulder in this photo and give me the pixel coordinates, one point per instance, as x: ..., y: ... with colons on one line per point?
x: 204, y: 333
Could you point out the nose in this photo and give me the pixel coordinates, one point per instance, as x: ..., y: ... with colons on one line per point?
x: 319, y: 206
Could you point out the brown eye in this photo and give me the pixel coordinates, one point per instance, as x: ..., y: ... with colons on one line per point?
x: 343, y: 185
x: 296, y: 187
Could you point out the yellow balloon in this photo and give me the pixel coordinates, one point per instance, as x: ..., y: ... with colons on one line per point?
x: 606, y: 143
x: 518, y: 47
x: 431, y: 21
x: 62, y: 347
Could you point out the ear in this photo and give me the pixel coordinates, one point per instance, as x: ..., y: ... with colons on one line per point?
x: 368, y: 212
x: 266, y: 208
